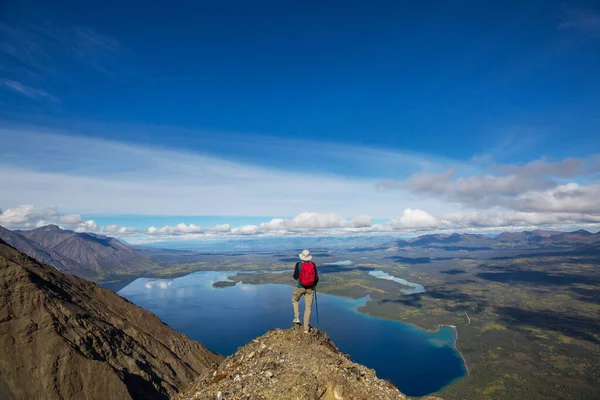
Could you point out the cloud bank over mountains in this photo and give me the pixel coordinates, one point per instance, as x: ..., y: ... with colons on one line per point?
x: 85, y: 175
x: 308, y: 223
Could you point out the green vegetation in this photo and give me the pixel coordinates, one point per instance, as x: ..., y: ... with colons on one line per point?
x: 353, y: 284
x: 528, y: 326
x: 224, y: 284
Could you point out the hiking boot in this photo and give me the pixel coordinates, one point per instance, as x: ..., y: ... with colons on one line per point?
x: 296, y: 320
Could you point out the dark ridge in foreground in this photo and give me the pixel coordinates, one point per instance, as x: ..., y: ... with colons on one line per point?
x: 289, y: 364
x: 62, y: 337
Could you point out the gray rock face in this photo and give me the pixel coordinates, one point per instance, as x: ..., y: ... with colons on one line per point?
x: 65, y: 338
x: 45, y: 255
x: 103, y: 254
x: 86, y: 255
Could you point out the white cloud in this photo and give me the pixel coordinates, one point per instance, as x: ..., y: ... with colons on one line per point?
x: 569, y: 198
x: 311, y: 221
x: 221, y: 228
x: 503, y: 219
x: 245, y: 230
x: 312, y: 224
x: 87, y: 226
x: 415, y: 219
x: 49, y: 51
x: 115, y: 229
x: 71, y: 219
x: 105, y: 177
x: 28, y: 91
x: 96, y: 176
x: 567, y: 168
x: 362, y: 221
x: 304, y: 221
x: 474, y: 189
x: 183, y: 229
x: 539, y: 186
x: 30, y: 217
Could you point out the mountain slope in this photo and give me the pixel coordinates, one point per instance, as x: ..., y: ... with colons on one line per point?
x: 100, y: 255
x: 288, y: 364
x: 538, y: 239
x: 45, y: 255
x: 64, y: 337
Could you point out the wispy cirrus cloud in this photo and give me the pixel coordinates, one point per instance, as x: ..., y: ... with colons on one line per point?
x: 27, y: 91
x: 45, y: 47
x: 100, y: 176
x: 95, y: 50
x: 585, y: 20
x: 94, y: 176
x: 36, y: 53
x: 25, y: 46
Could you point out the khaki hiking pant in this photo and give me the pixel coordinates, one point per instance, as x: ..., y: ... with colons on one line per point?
x: 309, y: 295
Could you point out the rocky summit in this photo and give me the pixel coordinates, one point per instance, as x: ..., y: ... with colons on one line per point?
x: 62, y: 337
x: 289, y: 364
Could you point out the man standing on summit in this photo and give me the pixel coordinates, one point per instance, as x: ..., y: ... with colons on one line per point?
x: 306, y: 275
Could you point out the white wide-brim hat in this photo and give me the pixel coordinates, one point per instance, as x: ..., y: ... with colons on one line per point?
x: 305, y: 255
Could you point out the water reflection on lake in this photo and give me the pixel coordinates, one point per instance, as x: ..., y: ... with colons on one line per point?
x: 418, y: 362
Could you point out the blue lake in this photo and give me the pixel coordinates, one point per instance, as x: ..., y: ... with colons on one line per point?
x: 414, y: 287
x: 223, y: 319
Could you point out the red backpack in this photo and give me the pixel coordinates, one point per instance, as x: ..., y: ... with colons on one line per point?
x: 308, y: 274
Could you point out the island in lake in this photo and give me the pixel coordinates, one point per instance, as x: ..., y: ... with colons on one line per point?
x: 224, y: 284
x: 526, y: 306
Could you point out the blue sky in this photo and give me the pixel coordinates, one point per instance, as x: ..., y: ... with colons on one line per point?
x: 265, y: 109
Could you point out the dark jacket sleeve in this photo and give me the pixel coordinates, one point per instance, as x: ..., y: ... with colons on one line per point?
x: 297, y: 271
x: 316, y: 275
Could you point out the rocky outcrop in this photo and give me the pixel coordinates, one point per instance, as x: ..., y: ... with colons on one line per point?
x: 289, y: 364
x: 62, y: 337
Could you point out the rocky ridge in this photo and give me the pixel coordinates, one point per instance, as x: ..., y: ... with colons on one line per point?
x: 289, y: 364
x: 100, y: 254
x: 87, y: 255
x: 62, y: 337
x: 45, y: 255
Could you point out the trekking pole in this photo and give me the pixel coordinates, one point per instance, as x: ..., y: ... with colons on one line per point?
x: 317, y: 307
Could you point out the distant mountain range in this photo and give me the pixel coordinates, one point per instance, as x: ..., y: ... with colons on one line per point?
x: 63, y: 337
x: 525, y: 239
x: 85, y: 255
x: 96, y: 257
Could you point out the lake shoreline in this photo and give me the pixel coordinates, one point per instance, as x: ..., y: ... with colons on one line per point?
x: 434, y: 330
x: 358, y: 309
